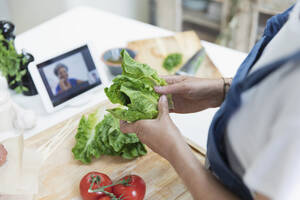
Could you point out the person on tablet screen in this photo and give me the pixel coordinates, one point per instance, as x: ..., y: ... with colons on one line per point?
x: 65, y: 83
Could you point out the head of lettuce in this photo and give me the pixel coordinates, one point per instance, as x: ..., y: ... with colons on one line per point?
x: 134, y: 90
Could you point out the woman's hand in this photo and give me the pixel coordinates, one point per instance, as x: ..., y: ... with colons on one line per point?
x: 160, y: 134
x: 191, y: 94
x: 64, y: 84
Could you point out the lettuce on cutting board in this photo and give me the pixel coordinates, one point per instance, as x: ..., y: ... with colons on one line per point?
x: 135, y: 90
x: 95, y: 138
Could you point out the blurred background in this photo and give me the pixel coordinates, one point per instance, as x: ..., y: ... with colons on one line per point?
x: 233, y: 23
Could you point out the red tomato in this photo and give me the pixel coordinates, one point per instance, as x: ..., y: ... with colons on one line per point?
x: 135, y: 190
x: 86, y: 182
x: 104, y: 198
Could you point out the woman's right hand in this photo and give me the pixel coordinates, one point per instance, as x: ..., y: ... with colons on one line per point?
x: 191, y: 94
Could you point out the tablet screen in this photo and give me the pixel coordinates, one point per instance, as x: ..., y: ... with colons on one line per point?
x: 69, y: 75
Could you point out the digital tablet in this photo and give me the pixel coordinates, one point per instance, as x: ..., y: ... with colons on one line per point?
x: 63, y: 79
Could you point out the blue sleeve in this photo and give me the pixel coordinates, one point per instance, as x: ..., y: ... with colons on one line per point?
x: 73, y: 82
x: 57, y: 89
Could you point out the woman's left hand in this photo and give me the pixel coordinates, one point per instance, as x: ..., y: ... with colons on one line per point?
x: 160, y: 134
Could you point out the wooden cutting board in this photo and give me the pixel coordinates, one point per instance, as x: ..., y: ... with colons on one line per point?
x: 60, y: 174
x: 154, y: 51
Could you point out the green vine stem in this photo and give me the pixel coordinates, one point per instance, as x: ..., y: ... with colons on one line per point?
x: 97, y: 180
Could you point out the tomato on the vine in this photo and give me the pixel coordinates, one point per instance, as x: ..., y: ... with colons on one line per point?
x: 105, y: 198
x: 98, y: 180
x: 135, y: 189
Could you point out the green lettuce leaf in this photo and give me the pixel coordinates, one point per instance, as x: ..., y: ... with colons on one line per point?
x: 94, y: 138
x: 135, y: 90
x: 134, y: 150
x: 172, y: 61
x: 86, y: 146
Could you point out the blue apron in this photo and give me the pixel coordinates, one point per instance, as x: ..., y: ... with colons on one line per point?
x: 216, y: 154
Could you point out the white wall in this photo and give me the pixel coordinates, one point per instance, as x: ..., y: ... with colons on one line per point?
x: 4, y: 11
x: 29, y: 13
x: 137, y: 9
x: 26, y: 14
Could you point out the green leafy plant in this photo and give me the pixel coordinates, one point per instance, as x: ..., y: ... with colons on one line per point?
x: 135, y: 90
x: 10, y: 64
x: 95, y: 138
x: 172, y: 61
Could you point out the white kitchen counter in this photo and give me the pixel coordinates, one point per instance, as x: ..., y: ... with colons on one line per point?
x: 106, y: 30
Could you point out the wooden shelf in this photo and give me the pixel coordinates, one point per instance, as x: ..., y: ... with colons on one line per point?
x: 200, y: 18
x: 273, y: 7
x: 268, y: 11
x: 204, y: 33
x: 219, y: 1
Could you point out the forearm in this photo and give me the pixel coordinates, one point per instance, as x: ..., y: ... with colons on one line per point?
x: 200, y: 182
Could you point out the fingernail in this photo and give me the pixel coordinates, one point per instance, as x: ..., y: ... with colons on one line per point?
x: 157, y: 88
x: 160, y: 88
x: 163, y: 98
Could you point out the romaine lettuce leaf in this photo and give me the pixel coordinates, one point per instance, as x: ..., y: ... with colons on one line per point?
x: 95, y: 138
x: 135, y: 90
x: 86, y: 146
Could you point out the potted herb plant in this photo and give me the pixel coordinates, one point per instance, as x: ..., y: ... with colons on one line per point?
x: 14, y: 66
